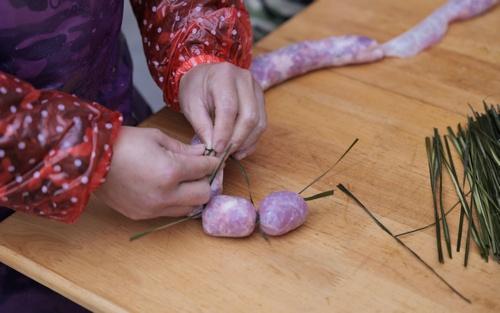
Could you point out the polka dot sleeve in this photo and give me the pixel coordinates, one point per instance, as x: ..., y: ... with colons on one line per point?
x: 55, y: 149
x: 178, y: 35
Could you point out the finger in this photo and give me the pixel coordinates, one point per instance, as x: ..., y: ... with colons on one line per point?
x: 248, y: 115
x: 192, y: 168
x: 226, y: 110
x: 192, y: 193
x: 240, y: 155
x: 198, y: 116
x: 261, y: 124
x: 176, y: 146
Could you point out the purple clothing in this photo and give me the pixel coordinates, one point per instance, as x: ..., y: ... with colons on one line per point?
x: 73, y: 46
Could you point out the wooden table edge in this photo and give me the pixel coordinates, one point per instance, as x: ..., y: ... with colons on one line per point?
x: 58, y: 283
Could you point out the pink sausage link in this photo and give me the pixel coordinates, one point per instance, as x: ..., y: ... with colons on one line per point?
x: 281, y: 212
x: 433, y: 28
x: 272, y: 68
x: 229, y: 216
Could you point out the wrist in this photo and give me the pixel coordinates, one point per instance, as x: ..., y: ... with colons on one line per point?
x: 194, y: 61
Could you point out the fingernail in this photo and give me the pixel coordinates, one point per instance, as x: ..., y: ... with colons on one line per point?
x: 239, y: 156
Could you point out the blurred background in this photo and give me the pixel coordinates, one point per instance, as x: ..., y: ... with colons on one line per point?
x: 265, y: 15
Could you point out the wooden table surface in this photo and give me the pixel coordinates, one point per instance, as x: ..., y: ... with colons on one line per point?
x: 340, y: 261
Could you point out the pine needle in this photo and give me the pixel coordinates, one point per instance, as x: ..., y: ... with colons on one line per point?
x: 431, y: 224
x: 384, y: 228
x: 245, y: 176
x: 432, y: 174
x: 442, y: 159
x: 155, y: 229
x: 320, y: 195
x: 331, y: 167
x: 478, y: 149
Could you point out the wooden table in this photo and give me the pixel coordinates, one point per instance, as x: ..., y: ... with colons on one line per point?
x: 340, y: 261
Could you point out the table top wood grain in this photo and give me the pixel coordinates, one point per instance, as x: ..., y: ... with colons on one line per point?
x: 339, y: 261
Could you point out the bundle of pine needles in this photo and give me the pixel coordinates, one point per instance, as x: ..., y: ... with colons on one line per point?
x: 478, y: 149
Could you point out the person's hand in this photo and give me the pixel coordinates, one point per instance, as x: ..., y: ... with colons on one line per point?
x: 153, y: 175
x: 229, y: 95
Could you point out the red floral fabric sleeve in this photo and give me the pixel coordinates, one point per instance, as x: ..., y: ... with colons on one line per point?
x: 55, y: 149
x: 179, y: 34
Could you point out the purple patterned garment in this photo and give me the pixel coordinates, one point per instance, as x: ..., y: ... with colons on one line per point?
x: 74, y: 46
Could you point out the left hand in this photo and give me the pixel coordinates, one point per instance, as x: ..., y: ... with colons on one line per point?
x: 154, y: 175
x: 229, y: 95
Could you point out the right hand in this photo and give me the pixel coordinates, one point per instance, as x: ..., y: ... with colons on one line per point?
x: 225, y: 105
x: 153, y: 175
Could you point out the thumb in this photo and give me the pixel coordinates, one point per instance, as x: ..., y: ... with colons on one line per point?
x: 176, y: 146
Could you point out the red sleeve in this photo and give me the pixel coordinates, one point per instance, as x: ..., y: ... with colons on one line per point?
x: 55, y: 149
x: 179, y: 34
